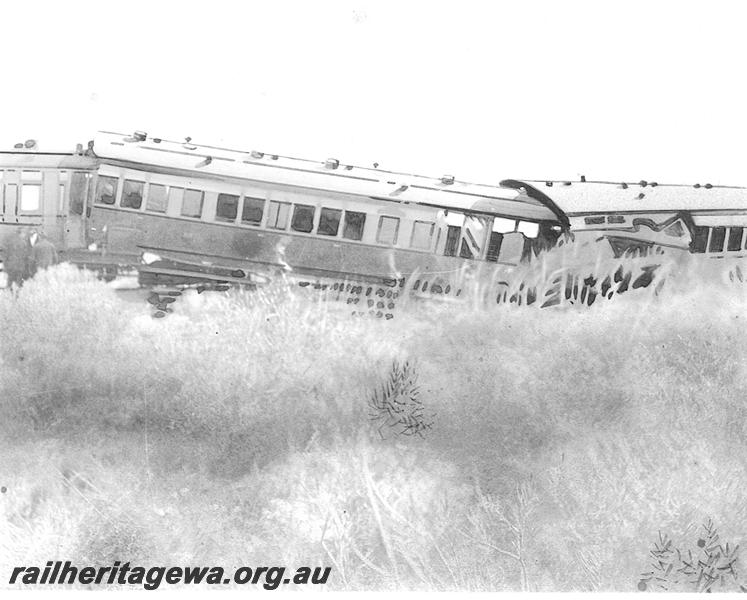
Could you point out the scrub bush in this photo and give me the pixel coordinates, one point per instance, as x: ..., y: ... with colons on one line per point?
x: 238, y: 430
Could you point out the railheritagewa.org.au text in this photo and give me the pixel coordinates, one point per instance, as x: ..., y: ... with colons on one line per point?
x: 151, y: 578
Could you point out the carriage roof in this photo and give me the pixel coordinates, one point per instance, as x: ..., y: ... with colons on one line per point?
x: 194, y: 160
x: 32, y: 159
x: 587, y: 197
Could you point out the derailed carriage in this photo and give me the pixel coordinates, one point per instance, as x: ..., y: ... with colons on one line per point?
x: 241, y: 216
x: 643, y: 217
x: 620, y: 232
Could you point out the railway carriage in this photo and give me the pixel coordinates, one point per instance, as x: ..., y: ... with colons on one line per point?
x: 636, y: 218
x: 182, y: 213
x: 46, y: 191
x: 203, y: 212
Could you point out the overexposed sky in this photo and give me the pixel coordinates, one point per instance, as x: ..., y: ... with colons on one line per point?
x: 482, y: 90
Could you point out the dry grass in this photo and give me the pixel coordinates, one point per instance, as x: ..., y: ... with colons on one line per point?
x: 237, y: 432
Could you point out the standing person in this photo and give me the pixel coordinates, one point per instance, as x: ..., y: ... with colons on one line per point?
x: 43, y: 254
x: 17, y: 258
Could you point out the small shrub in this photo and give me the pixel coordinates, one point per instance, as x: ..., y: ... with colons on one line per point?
x: 397, y: 404
x: 102, y: 541
x: 711, y: 567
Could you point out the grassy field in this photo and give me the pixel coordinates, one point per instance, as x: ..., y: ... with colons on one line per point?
x: 550, y: 449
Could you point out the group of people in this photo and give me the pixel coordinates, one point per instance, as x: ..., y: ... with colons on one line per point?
x: 25, y: 253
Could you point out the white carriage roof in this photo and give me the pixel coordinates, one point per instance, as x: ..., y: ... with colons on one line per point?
x: 585, y: 197
x: 32, y: 159
x: 331, y: 175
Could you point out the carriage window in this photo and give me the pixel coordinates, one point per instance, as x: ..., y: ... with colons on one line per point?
x: 132, y: 194
x: 329, y: 221
x: 175, y: 196
x: 62, y: 179
x: 718, y: 235
x: 277, y: 215
x: 78, y: 189
x: 10, y: 197
x: 106, y: 189
x: 474, y: 233
x: 494, y: 246
x: 735, y: 239
x: 227, y: 207
x: 502, y: 225
x: 29, y: 176
x: 303, y: 218
x: 594, y: 220
x: 422, y: 234
x: 465, y: 251
x: 531, y: 230
x: 252, y: 211
x: 192, y: 203
x: 354, y: 224
x: 388, y: 229
x: 452, y: 240
x: 30, y: 197
x: 700, y: 239
x: 157, y: 198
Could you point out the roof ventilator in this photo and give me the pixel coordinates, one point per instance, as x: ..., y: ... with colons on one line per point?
x: 332, y: 163
x: 257, y: 154
x: 27, y: 145
x: 447, y: 180
x: 138, y: 136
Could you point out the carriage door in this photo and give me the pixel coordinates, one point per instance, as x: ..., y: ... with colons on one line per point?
x: 9, y: 196
x: 474, y: 236
x: 24, y: 198
x: 466, y: 235
x: 79, y: 184
x: 507, y: 242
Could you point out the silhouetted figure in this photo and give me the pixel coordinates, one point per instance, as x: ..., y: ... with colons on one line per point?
x: 17, y: 259
x: 44, y: 254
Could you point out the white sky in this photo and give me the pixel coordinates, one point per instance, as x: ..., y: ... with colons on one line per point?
x: 482, y: 90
